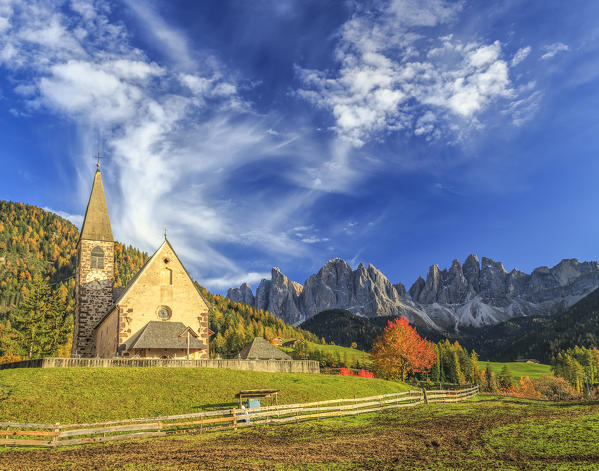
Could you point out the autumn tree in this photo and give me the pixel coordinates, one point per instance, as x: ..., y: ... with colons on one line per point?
x: 400, y: 351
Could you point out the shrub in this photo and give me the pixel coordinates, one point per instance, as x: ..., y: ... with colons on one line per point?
x: 365, y: 373
x: 8, y: 358
x: 362, y: 373
x: 555, y: 388
x: 346, y: 372
x: 526, y: 388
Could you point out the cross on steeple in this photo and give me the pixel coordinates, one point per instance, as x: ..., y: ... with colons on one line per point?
x: 98, y: 158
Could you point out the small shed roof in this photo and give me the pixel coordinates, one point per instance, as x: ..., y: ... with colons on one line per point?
x: 256, y: 393
x: 164, y: 334
x: 260, y: 349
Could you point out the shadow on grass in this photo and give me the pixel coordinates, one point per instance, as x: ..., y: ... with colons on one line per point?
x: 528, y: 402
x: 5, y: 393
x: 222, y: 405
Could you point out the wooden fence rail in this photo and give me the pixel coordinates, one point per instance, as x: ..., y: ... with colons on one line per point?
x: 17, y: 434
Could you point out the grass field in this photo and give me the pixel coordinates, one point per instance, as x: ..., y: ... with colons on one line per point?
x: 519, y: 369
x: 488, y: 433
x: 70, y: 395
x: 336, y: 350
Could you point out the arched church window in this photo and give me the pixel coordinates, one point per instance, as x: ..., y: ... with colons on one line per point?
x: 166, y: 276
x: 97, y: 258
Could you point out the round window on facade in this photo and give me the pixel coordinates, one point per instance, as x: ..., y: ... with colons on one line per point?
x: 164, y: 313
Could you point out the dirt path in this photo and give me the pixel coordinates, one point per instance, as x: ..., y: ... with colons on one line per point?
x: 391, y: 440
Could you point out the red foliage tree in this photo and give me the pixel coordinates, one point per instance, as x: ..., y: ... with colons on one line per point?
x: 400, y: 350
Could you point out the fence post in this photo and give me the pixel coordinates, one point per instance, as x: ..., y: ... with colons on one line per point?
x: 424, y: 396
x: 55, y: 437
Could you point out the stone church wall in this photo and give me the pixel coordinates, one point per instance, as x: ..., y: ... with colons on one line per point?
x: 105, y: 335
x: 270, y: 366
x: 93, y: 298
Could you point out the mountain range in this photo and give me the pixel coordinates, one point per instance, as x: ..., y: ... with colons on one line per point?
x: 475, y: 294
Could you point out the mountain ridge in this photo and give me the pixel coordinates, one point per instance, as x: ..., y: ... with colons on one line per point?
x: 473, y: 294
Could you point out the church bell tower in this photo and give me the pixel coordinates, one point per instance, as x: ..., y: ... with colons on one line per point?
x: 94, y: 274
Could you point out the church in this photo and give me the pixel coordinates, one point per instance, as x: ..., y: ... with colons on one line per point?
x: 159, y: 314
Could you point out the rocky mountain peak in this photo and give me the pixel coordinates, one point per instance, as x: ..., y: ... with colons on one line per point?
x: 473, y: 293
x: 471, y: 270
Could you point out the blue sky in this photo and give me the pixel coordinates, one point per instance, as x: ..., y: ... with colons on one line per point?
x: 400, y: 133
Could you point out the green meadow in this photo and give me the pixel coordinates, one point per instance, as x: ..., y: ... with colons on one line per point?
x: 518, y: 368
x: 70, y: 395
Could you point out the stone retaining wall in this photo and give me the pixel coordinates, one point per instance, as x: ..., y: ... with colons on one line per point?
x: 271, y: 366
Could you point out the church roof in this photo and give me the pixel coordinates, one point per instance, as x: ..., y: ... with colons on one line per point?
x: 96, y: 224
x: 260, y: 349
x: 119, y: 293
x: 164, y: 334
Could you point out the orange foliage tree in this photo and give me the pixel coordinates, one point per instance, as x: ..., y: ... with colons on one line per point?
x: 400, y: 350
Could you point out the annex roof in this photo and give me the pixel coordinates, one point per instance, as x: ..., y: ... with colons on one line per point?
x: 164, y: 334
x: 260, y: 349
x: 96, y: 224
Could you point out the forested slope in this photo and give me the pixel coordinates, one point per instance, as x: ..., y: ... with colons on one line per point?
x: 577, y: 326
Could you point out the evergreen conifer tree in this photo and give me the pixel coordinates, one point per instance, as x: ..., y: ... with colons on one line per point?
x: 40, y: 320
x: 505, y: 378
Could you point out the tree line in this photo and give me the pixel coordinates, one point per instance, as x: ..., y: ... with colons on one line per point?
x: 237, y: 324
x: 579, y: 366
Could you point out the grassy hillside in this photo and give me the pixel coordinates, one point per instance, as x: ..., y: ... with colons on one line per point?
x: 70, y: 395
x: 519, y: 369
x: 343, y: 352
x: 346, y: 355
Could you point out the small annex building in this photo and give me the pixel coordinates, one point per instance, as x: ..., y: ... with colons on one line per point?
x: 261, y: 349
x: 159, y: 314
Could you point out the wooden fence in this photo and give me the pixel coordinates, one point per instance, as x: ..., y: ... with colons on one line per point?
x: 22, y: 434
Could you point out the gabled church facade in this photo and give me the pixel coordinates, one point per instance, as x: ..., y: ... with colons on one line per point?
x: 159, y: 314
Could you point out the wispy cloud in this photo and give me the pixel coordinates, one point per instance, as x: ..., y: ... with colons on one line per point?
x: 169, y: 129
x: 520, y: 55
x: 552, y: 49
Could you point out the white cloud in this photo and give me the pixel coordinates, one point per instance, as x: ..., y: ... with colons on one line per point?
x: 76, y: 219
x: 391, y: 78
x: 520, y: 55
x: 224, y: 282
x: 553, y: 49
x: 4, y: 24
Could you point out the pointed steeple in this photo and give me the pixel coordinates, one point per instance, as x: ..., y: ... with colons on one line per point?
x: 96, y: 225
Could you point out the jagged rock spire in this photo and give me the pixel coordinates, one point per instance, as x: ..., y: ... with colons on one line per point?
x: 96, y: 225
